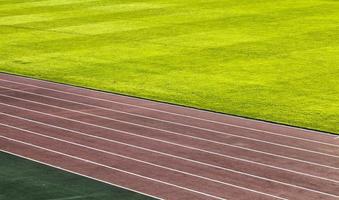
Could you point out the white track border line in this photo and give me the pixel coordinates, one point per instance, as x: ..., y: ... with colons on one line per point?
x: 148, y: 163
x: 152, y: 118
x: 162, y: 153
x: 112, y: 168
x: 190, y: 136
x: 184, y: 146
x: 79, y: 174
x: 147, y: 127
x: 172, y: 113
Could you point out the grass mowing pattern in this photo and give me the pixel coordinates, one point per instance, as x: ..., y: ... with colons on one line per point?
x: 22, y: 179
x: 268, y: 59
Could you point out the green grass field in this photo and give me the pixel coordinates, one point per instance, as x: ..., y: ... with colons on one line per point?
x: 25, y: 180
x: 275, y: 60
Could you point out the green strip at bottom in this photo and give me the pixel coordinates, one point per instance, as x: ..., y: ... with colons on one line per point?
x: 22, y: 179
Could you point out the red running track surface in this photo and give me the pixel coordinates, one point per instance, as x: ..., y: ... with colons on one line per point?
x: 162, y: 150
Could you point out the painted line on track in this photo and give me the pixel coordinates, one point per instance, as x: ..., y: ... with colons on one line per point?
x: 165, y: 154
x: 112, y: 168
x: 172, y: 113
x: 148, y: 163
x: 202, y: 139
x: 184, y: 146
x: 134, y: 124
x: 152, y: 118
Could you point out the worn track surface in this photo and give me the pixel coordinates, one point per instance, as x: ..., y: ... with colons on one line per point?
x: 162, y: 150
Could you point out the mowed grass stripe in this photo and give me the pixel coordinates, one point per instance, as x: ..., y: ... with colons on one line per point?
x: 184, y: 38
x: 32, y: 4
x: 104, y: 27
x: 51, y: 22
x: 213, y: 41
x: 132, y: 33
x: 269, y: 59
x: 96, y: 8
x: 75, y: 11
x: 10, y: 11
x: 21, y: 33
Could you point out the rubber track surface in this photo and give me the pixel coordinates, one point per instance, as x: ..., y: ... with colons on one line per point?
x: 162, y: 150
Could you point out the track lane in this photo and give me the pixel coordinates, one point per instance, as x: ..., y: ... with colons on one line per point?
x: 331, y: 160
x: 162, y: 153
x: 234, y: 128
x: 302, y: 162
x: 167, y: 176
x: 154, y: 123
x: 171, y: 162
x: 90, y: 169
x: 324, y: 149
x: 176, y: 113
x: 197, y: 154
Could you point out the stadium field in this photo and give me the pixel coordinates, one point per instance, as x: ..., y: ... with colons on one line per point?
x: 264, y: 59
x: 273, y: 60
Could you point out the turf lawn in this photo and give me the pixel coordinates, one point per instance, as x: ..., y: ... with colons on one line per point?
x: 21, y: 179
x: 275, y: 60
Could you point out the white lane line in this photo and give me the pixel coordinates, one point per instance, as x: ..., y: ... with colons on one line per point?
x: 180, y: 145
x: 155, y: 119
x: 167, y: 112
x: 171, y: 132
x: 146, y: 163
x: 198, y: 138
x: 79, y: 174
x: 112, y: 168
x: 162, y: 153
x: 257, y: 151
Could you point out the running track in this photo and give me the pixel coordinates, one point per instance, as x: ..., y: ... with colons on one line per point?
x: 161, y: 150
